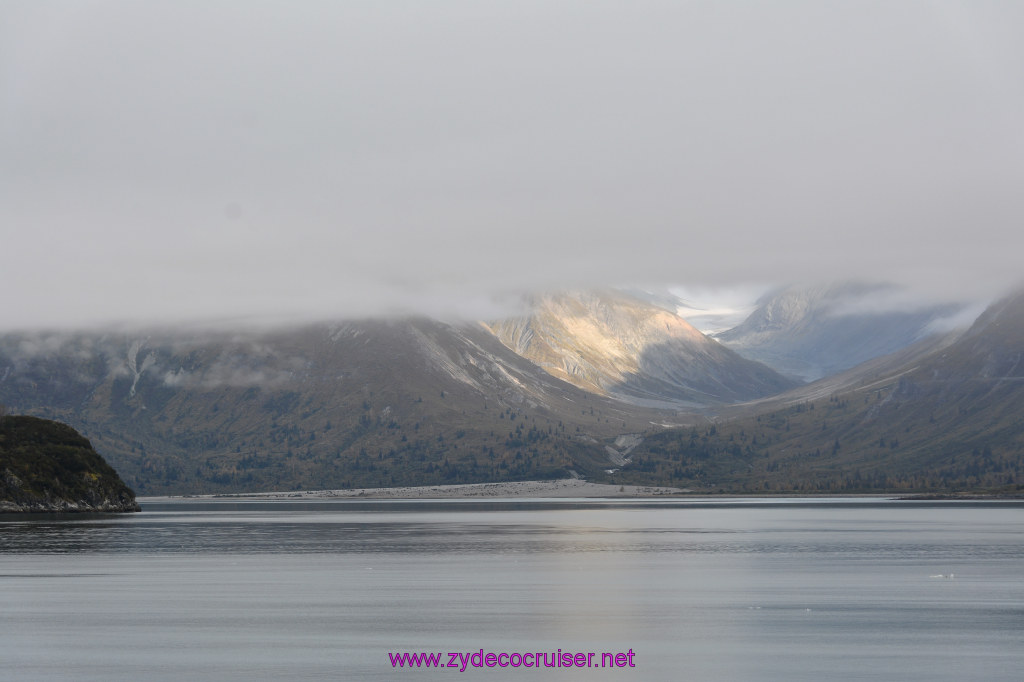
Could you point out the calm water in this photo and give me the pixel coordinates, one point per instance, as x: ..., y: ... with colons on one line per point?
x: 699, y: 590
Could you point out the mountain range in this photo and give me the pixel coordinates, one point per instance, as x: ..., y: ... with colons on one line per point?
x: 599, y: 384
x: 944, y: 414
x: 359, y: 403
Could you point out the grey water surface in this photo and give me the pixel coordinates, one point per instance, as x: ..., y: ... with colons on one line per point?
x: 707, y: 589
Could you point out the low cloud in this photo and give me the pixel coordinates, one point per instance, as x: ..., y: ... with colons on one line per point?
x: 227, y: 378
x: 888, y: 298
x: 340, y: 160
x: 237, y: 370
x: 957, y: 320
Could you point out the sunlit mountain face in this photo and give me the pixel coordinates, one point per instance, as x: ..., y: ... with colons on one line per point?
x: 618, y: 345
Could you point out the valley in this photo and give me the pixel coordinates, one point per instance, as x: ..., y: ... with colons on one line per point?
x: 598, y: 385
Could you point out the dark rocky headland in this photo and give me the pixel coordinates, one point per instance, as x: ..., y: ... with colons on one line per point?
x: 46, y: 466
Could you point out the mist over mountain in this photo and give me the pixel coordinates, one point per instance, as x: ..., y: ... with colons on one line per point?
x: 313, y: 162
x: 379, y: 402
x: 597, y: 384
x: 808, y: 332
x: 308, y: 171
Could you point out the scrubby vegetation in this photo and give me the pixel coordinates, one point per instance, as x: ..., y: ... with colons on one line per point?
x: 48, y: 466
x: 892, y: 439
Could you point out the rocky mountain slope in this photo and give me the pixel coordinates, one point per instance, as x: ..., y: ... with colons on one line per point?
x: 945, y: 415
x: 614, y: 344
x: 356, y: 404
x: 812, y: 332
x: 48, y: 467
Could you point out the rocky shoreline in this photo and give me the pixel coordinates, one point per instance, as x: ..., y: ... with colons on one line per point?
x: 68, y: 506
x: 566, y: 488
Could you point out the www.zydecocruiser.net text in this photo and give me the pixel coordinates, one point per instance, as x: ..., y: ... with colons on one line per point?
x: 463, y: 660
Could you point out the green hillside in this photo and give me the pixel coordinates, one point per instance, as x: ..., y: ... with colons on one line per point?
x: 48, y: 466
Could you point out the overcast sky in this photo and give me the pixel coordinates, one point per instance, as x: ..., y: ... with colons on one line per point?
x: 205, y: 159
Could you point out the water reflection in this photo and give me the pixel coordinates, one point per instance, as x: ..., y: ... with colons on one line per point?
x: 861, y: 528
x: 730, y: 591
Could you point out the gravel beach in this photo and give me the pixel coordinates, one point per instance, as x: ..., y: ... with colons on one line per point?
x: 561, y: 488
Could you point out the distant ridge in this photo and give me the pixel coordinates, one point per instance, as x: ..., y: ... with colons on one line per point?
x: 946, y: 415
x: 809, y: 332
